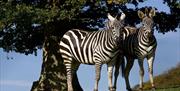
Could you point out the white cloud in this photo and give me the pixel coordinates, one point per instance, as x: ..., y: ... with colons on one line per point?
x: 20, y: 83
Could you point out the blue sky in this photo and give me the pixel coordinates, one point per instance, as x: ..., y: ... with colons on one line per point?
x: 19, y: 73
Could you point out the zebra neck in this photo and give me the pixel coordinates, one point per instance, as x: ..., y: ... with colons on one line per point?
x: 148, y: 41
x: 114, y: 37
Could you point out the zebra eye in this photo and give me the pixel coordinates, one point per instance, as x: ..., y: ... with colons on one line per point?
x: 146, y: 33
x: 146, y: 24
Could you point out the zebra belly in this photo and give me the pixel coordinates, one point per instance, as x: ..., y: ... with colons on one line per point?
x: 104, y: 57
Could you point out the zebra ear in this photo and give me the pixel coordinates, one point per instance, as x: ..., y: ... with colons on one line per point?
x: 122, y: 16
x: 141, y: 14
x: 110, y: 17
x: 152, y: 13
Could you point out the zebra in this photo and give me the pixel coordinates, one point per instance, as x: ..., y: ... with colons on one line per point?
x: 93, y: 48
x: 138, y: 44
x: 141, y: 45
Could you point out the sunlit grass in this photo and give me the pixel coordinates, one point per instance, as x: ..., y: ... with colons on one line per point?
x: 168, y: 81
x: 167, y: 89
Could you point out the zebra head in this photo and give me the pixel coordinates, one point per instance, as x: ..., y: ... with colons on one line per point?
x: 116, y: 24
x: 147, y: 21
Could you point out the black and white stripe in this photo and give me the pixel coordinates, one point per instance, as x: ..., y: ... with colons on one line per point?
x: 94, y: 48
x: 137, y: 44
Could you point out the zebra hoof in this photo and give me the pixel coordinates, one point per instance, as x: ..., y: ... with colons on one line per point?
x: 153, y: 89
x: 95, y: 90
x: 140, y: 89
x: 112, y: 88
x: 129, y: 89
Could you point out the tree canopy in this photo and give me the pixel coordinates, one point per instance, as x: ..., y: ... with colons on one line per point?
x: 24, y: 24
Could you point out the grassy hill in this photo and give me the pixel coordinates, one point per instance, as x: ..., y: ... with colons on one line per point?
x: 168, y: 81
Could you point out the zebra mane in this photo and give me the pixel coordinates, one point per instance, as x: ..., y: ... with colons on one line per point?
x: 108, y: 25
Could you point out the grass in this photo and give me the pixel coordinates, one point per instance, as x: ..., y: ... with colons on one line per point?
x: 168, y: 81
x: 167, y: 89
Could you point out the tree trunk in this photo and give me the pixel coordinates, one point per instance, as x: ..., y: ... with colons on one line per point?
x: 53, y: 72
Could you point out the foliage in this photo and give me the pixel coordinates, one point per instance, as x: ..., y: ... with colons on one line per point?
x: 169, y: 79
x: 24, y: 24
x: 164, y: 20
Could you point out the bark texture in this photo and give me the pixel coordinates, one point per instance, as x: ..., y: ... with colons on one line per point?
x: 53, y: 72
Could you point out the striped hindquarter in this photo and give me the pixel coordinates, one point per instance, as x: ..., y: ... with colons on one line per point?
x: 94, y: 48
x: 86, y: 47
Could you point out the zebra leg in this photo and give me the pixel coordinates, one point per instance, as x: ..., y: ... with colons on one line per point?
x: 69, y: 76
x: 75, y: 81
x: 150, y: 69
x: 130, y: 62
x: 116, y: 74
x: 110, y: 72
x: 98, y: 73
x: 141, y: 72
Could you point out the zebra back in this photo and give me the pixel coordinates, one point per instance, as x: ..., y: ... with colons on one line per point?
x: 85, y: 46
